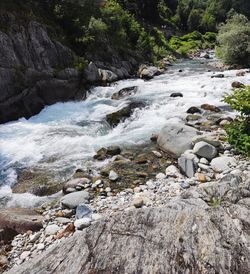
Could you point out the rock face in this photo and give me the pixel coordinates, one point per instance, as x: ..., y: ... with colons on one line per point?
x: 36, y: 70
x: 185, y: 235
x: 176, y: 138
x: 30, y: 77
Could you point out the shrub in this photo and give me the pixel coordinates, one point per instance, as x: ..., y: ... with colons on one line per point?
x: 239, y: 131
x: 234, y: 41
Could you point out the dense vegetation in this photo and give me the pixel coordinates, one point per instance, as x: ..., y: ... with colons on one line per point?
x: 239, y: 130
x: 234, y: 41
x: 100, y: 29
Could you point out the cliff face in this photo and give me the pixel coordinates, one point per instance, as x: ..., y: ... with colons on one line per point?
x: 36, y: 70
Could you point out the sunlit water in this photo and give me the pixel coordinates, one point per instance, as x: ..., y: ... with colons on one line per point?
x: 65, y: 136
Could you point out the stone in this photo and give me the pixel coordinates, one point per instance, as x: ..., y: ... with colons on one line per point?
x: 193, y: 110
x: 124, y: 93
x: 175, y: 138
x: 24, y: 255
x: 70, y: 186
x: 160, y: 176
x: 121, y: 115
x: 18, y: 220
x: 210, y: 139
x: 72, y: 200
x: 63, y: 220
x: 188, y: 164
x: 210, y: 108
x: 82, y: 211
x: 176, y: 94
x: 40, y: 246
x: 202, y: 177
x: 82, y: 223
x: 3, y: 260
x: 223, y: 163
x: 237, y: 84
x: 172, y: 171
x: 157, y: 153
x: 51, y: 229
x: 96, y: 216
x: 34, y: 237
x: 220, y: 75
x: 113, y: 176
x: 148, y: 72
x: 205, y: 150
x: 204, y: 161
x: 224, y: 123
x: 193, y: 117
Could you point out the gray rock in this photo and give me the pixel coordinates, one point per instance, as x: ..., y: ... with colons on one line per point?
x: 51, y: 229
x: 148, y: 72
x: 91, y: 73
x: 113, y: 176
x: 74, y: 199
x: 205, y: 240
x: 176, y: 138
x: 63, y: 220
x: 82, y: 223
x: 83, y: 211
x: 223, y: 163
x: 205, y: 150
x: 124, y: 93
x: 188, y: 164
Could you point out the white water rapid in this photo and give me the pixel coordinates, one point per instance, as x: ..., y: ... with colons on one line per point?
x: 65, y: 136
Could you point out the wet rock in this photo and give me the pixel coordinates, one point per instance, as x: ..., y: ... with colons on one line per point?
x: 125, y: 92
x: 210, y: 108
x: 193, y: 110
x: 237, y: 84
x: 18, y: 220
x: 72, y: 200
x: 83, y: 211
x: 220, y: 75
x: 148, y: 72
x: 205, y: 55
x: 119, y: 116
x: 193, y: 117
x: 176, y: 94
x: 241, y: 73
x: 71, y: 185
x: 107, y: 75
x: 176, y: 138
x: 104, y: 153
x: 223, y: 163
x: 205, y: 150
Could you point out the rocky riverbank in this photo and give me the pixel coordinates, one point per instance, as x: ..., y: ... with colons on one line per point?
x: 191, y: 187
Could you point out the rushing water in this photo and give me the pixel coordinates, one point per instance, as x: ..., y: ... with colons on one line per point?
x: 65, y: 136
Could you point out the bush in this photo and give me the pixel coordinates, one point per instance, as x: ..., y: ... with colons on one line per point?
x: 234, y: 41
x: 239, y: 131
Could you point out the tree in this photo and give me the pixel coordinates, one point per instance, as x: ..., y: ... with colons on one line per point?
x: 234, y: 41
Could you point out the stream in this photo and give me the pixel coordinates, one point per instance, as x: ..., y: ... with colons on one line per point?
x: 65, y: 136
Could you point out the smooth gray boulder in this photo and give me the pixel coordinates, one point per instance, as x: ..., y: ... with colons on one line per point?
x: 186, y: 236
x: 176, y: 138
x: 223, y: 163
x: 203, y: 149
x: 74, y: 199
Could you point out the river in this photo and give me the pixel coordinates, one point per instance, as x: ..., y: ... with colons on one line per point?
x: 65, y: 136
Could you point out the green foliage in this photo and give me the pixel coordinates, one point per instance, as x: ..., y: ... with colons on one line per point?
x: 239, y: 131
x: 192, y: 42
x: 234, y: 41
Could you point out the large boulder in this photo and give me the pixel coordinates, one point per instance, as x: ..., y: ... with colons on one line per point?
x: 18, y: 220
x: 185, y: 236
x: 176, y: 138
x: 148, y: 72
x: 124, y: 93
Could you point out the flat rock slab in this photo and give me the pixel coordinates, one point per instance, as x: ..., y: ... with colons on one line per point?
x: 19, y: 220
x: 185, y: 235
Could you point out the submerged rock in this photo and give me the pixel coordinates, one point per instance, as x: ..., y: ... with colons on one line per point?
x: 176, y: 94
x: 124, y: 93
x: 210, y: 108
